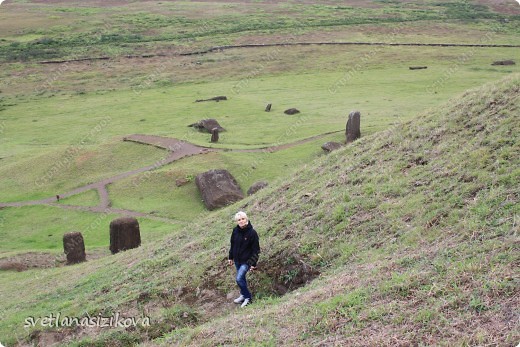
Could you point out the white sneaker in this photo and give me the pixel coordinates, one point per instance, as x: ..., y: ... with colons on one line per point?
x: 245, y: 303
x: 239, y: 300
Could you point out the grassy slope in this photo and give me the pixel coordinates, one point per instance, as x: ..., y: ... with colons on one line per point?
x: 414, y: 231
x: 418, y: 227
x: 78, y: 31
x: 37, y: 128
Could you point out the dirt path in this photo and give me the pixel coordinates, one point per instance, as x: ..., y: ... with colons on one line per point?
x: 177, y: 150
x: 286, y: 44
x: 169, y: 143
x: 271, y: 149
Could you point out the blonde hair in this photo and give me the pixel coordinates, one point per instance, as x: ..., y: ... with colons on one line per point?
x: 241, y: 214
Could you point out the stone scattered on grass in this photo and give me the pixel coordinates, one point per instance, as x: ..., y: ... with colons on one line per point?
x: 124, y: 234
x: 74, y: 247
x: 291, y: 111
x: 504, y: 62
x: 207, y: 125
x: 218, y: 188
x: 216, y: 98
x: 330, y: 146
x: 256, y: 187
x: 353, y: 131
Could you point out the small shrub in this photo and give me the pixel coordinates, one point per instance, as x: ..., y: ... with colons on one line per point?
x: 339, y: 213
x: 477, y: 304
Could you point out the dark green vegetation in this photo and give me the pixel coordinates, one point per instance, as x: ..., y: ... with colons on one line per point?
x: 408, y: 236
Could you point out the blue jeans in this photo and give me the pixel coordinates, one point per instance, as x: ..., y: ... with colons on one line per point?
x: 242, y: 270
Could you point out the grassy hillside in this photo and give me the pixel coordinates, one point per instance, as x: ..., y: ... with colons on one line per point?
x: 414, y: 231
x: 413, y: 228
x: 41, y: 30
x: 406, y: 237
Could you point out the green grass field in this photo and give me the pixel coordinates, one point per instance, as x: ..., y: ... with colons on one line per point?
x: 103, y: 29
x: 62, y: 127
x: 41, y: 228
x: 71, y: 140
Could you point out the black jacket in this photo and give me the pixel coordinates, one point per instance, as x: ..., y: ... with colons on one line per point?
x: 245, y: 246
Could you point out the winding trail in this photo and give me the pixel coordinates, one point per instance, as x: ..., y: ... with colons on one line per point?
x: 170, y: 144
x: 177, y: 149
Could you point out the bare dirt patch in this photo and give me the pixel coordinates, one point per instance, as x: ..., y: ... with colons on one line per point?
x: 41, y: 260
x: 353, y: 3
x: 50, y: 338
x: 95, y: 3
x: 202, y: 304
x: 289, y: 272
x: 32, y: 260
x: 109, y: 3
x: 510, y: 7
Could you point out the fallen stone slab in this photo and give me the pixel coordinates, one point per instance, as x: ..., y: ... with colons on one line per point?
x: 504, y: 62
x: 207, y: 125
x: 353, y: 128
x: 216, y: 98
x: 291, y: 111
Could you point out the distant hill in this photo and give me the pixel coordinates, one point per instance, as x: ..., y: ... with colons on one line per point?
x: 407, y: 237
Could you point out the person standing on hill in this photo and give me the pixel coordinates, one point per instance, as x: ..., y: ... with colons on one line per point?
x: 244, y: 253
